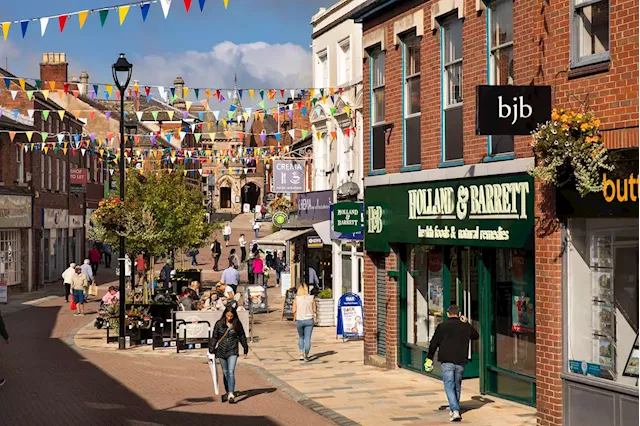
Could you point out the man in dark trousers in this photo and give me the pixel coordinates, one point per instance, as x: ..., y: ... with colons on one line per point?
x: 216, y: 252
x: 452, y: 338
x: 5, y: 336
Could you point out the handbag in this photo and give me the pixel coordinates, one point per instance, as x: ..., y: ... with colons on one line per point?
x: 215, y: 349
x: 72, y: 304
x: 93, y: 290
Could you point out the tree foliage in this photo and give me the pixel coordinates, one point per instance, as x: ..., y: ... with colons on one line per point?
x: 161, y: 212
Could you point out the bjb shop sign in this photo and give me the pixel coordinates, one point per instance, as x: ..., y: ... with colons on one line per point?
x: 511, y: 110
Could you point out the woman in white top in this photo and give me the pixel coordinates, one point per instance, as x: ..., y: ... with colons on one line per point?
x: 226, y: 233
x: 305, y: 313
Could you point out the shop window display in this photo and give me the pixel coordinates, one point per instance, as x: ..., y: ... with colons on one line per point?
x: 424, y: 294
x: 602, y: 293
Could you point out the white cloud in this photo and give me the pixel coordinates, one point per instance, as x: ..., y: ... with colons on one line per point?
x: 258, y: 65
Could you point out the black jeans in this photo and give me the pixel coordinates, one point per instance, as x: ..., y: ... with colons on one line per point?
x: 107, y: 260
x: 67, y: 292
x: 216, y: 259
x: 94, y: 268
x: 243, y: 251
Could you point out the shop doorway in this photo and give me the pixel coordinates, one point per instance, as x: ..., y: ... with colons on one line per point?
x: 250, y: 194
x: 495, y: 289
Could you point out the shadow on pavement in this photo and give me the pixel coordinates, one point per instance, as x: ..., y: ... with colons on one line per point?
x: 50, y: 383
x: 242, y: 395
x: 474, y: 403
x: 321, y: 354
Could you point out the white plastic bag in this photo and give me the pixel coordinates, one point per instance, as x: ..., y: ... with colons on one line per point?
x: 214, y: 371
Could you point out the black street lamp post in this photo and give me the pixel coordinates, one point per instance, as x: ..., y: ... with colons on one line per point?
x: 122, y: 69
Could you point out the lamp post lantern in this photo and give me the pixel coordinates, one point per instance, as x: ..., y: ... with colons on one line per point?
x: 122, y: 70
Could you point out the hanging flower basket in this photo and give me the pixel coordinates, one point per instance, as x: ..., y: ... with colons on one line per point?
x: 569, y: 151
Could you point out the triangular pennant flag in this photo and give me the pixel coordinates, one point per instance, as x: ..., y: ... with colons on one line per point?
x: 60, y: 137
x: 292, y: 133
x: 82, y: 17
x: 92, y: 137
x: 197, y: 136
x: 108, y: 114
x: 62, y: 19
x: 201, y: 2
x: 290, y: 112
x: 154, y: 114
x: 136, y: 138
x: 45, y: 114
x: 43, y: 25
x: 197, y: 92
x: 45, y: 93
x: 7, y: 82
x: 44, y: 136
x: 61, y: 114
x: 103, y: 16
x: 187, y: 5
x: 30, y: 112
x: 29, y: 94
x: 332, y: 110
x: 347, y: 110
x: 282, y: 93
x: 170, y: 114
x: 109, y: 89
x: 92, y: 114
x: 334, y: 135
x: 83, y: 151
x: 5, y: 29
x: 182, y: 135
x: 262, y: 104
x: 226, y: 3
x: 263, y: 137
x: 122, y: 13
x: 144, y: 8
x: 139, y: 115
x: 166, y: 4
x: 251, y: 93
x: 216, y: 114
x: 46, y: 149
x: 12, y: 135
x: 188, y: 105
x: 262, y: 94
x: 14, y: 93
x: 230, y: 113
x: 304, y: 133
x: 24, y: 25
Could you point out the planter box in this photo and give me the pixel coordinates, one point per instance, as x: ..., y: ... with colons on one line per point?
x: 326, y: 313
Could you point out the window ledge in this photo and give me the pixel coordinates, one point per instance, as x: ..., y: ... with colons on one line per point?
x: 499, y: 157
x: 451, y: 163
x: 586, y: 70
x: 377, y: 172
x: 415, y: 168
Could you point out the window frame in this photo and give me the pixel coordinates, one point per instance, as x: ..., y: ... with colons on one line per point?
x: 444, y: 87
x: 491, y: 77
x: 376, y: 54
x: 43, y: 169
x: 344, y: 61
x: 323, y: 66
x: 64, y: 176
x: 49, y: 171
x: 57, y: 175
x: 577, y: 61
x: 20, y: 164
x: 412, y: 36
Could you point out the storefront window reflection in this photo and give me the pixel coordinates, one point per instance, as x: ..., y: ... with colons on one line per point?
x: 425, y: 298
x: 603, y: 299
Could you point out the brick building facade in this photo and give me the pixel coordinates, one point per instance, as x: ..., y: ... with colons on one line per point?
x: 543, y: 42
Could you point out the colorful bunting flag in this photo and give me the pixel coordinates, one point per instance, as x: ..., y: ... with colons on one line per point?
x: 122, y: 13
x: 24, y: 25
x: 5, y: 29
x: 166, y: 4
x: 62, y: 19
x: 103, y: 16
x: 82, y: 17
x: 144, y: 8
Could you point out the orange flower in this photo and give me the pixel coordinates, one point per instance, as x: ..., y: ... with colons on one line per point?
x: 564, y: 118
x: 555, y: 115
x: 596, y: 122
x: 564, y: 127
x: 584, y: 127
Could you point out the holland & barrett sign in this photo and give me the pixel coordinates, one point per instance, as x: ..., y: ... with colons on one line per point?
x: 492, y: 212
x: 347, y: 217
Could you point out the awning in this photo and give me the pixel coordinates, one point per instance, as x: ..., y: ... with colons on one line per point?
x: 280, y: 238
x: 324, y: 231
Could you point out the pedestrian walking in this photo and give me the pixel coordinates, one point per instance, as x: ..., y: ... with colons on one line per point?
x: 233, y: 258
x: 94, y: 258
x: 107, y: 255
x: 258, y: 270
x: 314, y: 281
x: 87, y: 270
x: 79, y: 285
x: 231, y: 276
x: 194, y: 256
x: 451, y: 340
x: 243, y: 248
x: 141, y: 269
x: 227, y: 334
x: 5, y: 336
x: 256, y: 227
x: 216, y: 252
x: 226, y: 234
x: 66, y: 280
x: 127, y: 268
x: 305, y: 312
x: 165, y: 275
x: 278, y: 266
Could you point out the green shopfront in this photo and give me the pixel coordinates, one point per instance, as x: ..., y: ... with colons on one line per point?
x: 468, y: 242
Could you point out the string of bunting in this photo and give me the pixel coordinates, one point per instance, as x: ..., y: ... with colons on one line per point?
x: 102, y: 12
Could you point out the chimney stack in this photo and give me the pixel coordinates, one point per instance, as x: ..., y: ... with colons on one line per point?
x: 54, y: 67
x: 178, y: 84
x: 84, y: 82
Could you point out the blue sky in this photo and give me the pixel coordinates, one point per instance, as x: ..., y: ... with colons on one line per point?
x: 265, y: 41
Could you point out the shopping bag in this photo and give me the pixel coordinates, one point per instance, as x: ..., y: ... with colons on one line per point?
x: 72, y: 304
x: 214, y: 372
x: 93, y: 290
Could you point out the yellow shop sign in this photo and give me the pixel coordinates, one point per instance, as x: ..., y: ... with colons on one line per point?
x: 621, y: 190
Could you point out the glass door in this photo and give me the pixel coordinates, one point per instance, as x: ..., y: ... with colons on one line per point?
x: 464, y: 285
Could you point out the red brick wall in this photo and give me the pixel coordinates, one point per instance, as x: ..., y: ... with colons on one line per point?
x: 542, y: 57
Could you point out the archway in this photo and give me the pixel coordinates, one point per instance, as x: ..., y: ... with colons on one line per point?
x: 250, y: 194
x: 225, y: 197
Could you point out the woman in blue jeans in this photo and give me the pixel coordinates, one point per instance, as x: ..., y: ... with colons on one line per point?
x: 305, y: 313
x: 227, y: 333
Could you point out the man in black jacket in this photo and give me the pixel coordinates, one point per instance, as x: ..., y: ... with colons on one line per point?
x: 216, y: 252
x: 5, y: 336
x: 452, y: 339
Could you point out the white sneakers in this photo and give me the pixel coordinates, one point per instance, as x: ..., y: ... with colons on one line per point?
x: 455, y: 416
x: 231, y: 398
